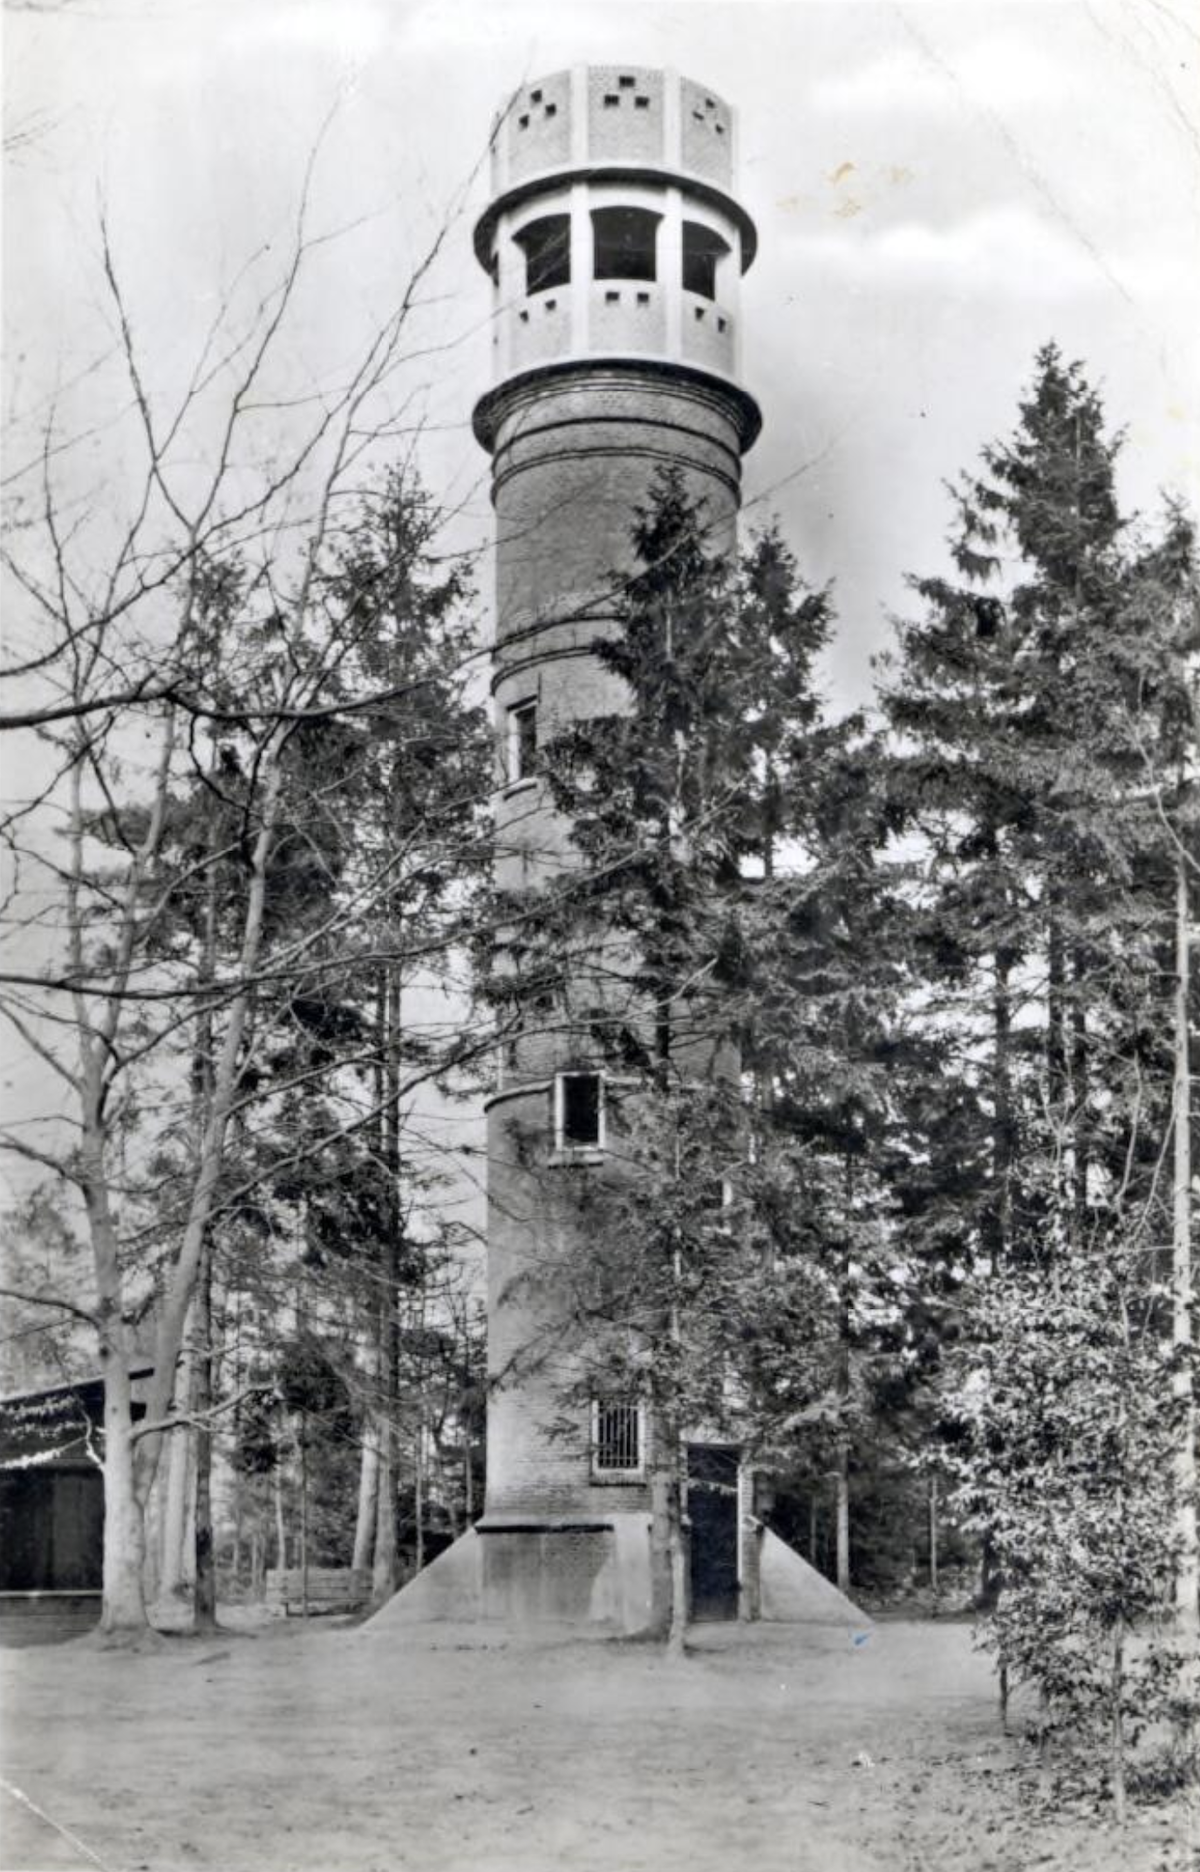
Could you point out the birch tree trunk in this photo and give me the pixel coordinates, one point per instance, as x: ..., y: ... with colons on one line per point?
x: 124, y: 1611
x: 368, y: 1490
x: 172, y: 1578
x: 841, y: 1513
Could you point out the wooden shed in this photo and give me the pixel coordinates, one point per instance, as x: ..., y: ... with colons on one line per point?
x: 52, y: 1510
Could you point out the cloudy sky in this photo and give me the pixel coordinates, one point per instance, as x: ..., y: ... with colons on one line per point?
x: 939, y: 188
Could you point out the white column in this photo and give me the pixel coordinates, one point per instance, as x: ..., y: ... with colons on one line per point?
x: 670, y: 272
x: 507, y: 294
x: 581, y: 266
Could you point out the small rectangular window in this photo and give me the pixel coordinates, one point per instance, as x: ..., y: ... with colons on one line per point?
x: 611, y: 100
x: 641, y: 103
x: 617, y: 1437
x: 579, y: 1111
x: 522, y: 740
x: 626, y: 84
x: 552, y: 110
x: 535, y: 97
x: 717, y: 1197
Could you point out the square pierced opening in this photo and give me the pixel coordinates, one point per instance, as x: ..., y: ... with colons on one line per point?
x: 611, y: 100
x: 641, y: 103
x: 626, y: 84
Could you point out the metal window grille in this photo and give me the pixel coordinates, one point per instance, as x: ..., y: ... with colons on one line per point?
x: 618, y: 1441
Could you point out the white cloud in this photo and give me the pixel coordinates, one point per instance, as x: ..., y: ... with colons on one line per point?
x: 920, y: 78
x: 353, y: 29
x: 1006, y: 252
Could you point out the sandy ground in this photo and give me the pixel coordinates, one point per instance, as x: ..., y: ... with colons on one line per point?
x: 444, y: 1750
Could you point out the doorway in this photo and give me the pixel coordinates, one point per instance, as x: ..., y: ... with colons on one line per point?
x: 713, y: 1513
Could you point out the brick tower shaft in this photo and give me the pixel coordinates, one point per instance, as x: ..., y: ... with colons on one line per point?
x: 616, y: 251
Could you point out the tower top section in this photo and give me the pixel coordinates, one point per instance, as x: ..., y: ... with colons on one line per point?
x: 613, y: 235
x: 608, y: 122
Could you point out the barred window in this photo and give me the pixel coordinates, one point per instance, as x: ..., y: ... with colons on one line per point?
x: 616, y: 1436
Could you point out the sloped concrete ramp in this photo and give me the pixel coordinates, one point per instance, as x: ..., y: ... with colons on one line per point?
x: 591, y: 1579
x: 793, y: 1593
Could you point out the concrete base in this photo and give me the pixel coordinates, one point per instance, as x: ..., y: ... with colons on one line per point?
x: 589, y: 1575
x: 792, y: 1592
x: 534, y: 1572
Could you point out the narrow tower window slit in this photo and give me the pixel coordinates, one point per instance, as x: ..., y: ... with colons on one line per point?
x: 522, y: 740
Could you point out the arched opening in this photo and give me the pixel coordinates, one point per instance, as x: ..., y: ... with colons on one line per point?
x: 546, y: 245
x: 624, y: 241
x: 703, y: 247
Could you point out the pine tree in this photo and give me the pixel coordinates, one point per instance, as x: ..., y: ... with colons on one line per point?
x: 1039, y: 714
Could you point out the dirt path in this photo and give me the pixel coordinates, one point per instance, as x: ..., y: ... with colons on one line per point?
x: 787, y: 1749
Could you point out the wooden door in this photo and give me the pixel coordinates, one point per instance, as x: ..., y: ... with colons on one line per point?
x: 713, y: 1513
